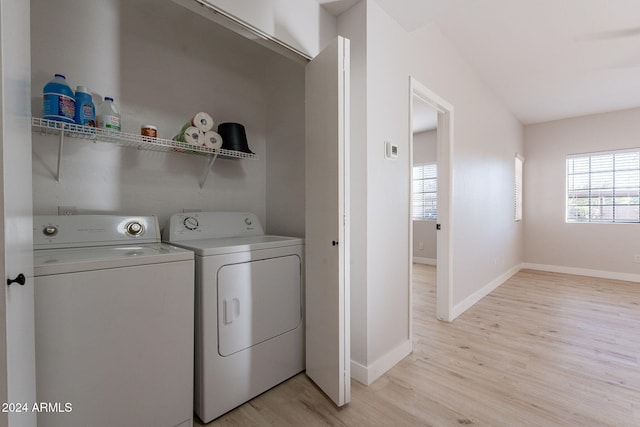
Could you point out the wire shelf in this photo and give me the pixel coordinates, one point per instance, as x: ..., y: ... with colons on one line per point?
x: 131, y: 140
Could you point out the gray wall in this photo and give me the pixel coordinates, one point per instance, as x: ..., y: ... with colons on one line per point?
x: 549, y: 240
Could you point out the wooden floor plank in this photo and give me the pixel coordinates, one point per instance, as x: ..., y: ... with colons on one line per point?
x: 544, y: 349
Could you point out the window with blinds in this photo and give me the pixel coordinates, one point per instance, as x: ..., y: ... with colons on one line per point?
x: 604, y: 187
x: 517, y: 196
x: 425, y: 192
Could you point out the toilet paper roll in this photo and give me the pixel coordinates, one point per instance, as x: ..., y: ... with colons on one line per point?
x: 189, y: 134
x: 212, y: 140
x: 202, y: 121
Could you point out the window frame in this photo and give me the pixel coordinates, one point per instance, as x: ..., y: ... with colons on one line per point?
x: 590, y: 188
x: 518, y: 184
x: 413, y: 191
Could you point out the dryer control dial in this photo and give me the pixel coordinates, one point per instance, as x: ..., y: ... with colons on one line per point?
x: 190, y: 223
x: 50, y: 230
x: 134, y: 228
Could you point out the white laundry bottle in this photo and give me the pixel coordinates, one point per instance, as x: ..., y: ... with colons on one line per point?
x: 108, y: 115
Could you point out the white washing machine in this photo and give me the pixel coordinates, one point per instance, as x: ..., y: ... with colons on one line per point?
x: 249, y: 307
x: 114, y: 312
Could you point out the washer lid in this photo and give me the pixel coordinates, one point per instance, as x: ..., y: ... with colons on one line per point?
x: 207, y: 247
x: 70, y: 260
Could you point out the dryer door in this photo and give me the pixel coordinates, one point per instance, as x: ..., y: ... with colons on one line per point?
x: 257, y: 300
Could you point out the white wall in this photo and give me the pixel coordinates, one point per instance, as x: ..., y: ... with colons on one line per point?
x: 425, y: 150
x: 352, y: 24
x: 549, y: 240
x: 387, y: 185
x: 162, y: 63
x: 284, y: 82
x: 487, y: 242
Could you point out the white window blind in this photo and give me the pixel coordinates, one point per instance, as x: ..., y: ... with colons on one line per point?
x: 517, y: 197
x: 425, y: 192
x: 604, y: 187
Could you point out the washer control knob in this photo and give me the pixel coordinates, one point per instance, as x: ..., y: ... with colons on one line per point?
x: 191, y: 223
x: 134, y: 228
x: 247, y: 221
x: 50, y: 230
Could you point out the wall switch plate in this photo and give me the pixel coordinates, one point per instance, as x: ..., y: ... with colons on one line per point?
x: 636, y: 258
x: 67, y: 210
x: 421, y: 246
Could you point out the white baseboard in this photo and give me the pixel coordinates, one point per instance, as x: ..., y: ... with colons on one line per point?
x: 465, y: 304
x: 368, y: 374
x: 602, y: 274
x: 427, y: 261
x: 359, y: 373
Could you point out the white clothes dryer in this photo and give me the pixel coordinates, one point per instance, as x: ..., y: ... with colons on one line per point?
x: 249, y: 307
x: 114, y: 323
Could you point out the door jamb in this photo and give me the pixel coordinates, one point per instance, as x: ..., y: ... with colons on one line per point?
x: 444, y: 256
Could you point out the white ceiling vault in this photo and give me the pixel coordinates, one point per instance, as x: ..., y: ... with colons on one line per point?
x: 546, y: 59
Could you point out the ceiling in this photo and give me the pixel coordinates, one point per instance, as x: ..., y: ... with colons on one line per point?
x: 336, y: 7
x: 546, y: 59
x: 425, y: 117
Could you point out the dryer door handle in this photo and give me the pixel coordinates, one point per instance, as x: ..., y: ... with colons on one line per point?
x: 231, y: 310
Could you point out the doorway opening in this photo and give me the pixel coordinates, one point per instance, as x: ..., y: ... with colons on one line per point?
x: 431, y: 137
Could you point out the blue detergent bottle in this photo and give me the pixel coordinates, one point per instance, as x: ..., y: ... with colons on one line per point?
x: 59, y: 103
x: 85, y: 109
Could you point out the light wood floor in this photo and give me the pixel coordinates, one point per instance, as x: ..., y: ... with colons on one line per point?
x: 542, y: 350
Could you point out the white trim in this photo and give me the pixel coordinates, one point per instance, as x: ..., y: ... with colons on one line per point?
x: 598, y: 153
x: 359, y: 372
x: 591, y: 170
x: 427, y: 96
x: 517, y: 187
x: 346, y: 210
x: 368, y: 374
x: 469, y: 301
x: 444, y: 276
x: 602, y: 274
x: 427, y: 261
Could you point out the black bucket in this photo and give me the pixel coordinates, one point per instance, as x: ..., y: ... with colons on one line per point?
x: 234, y: 137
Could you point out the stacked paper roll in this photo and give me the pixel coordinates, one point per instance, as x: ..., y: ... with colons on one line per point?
x: 202, y: 121
x: 189, y: 134
x: 197, y: 131
x: 212, y: 140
